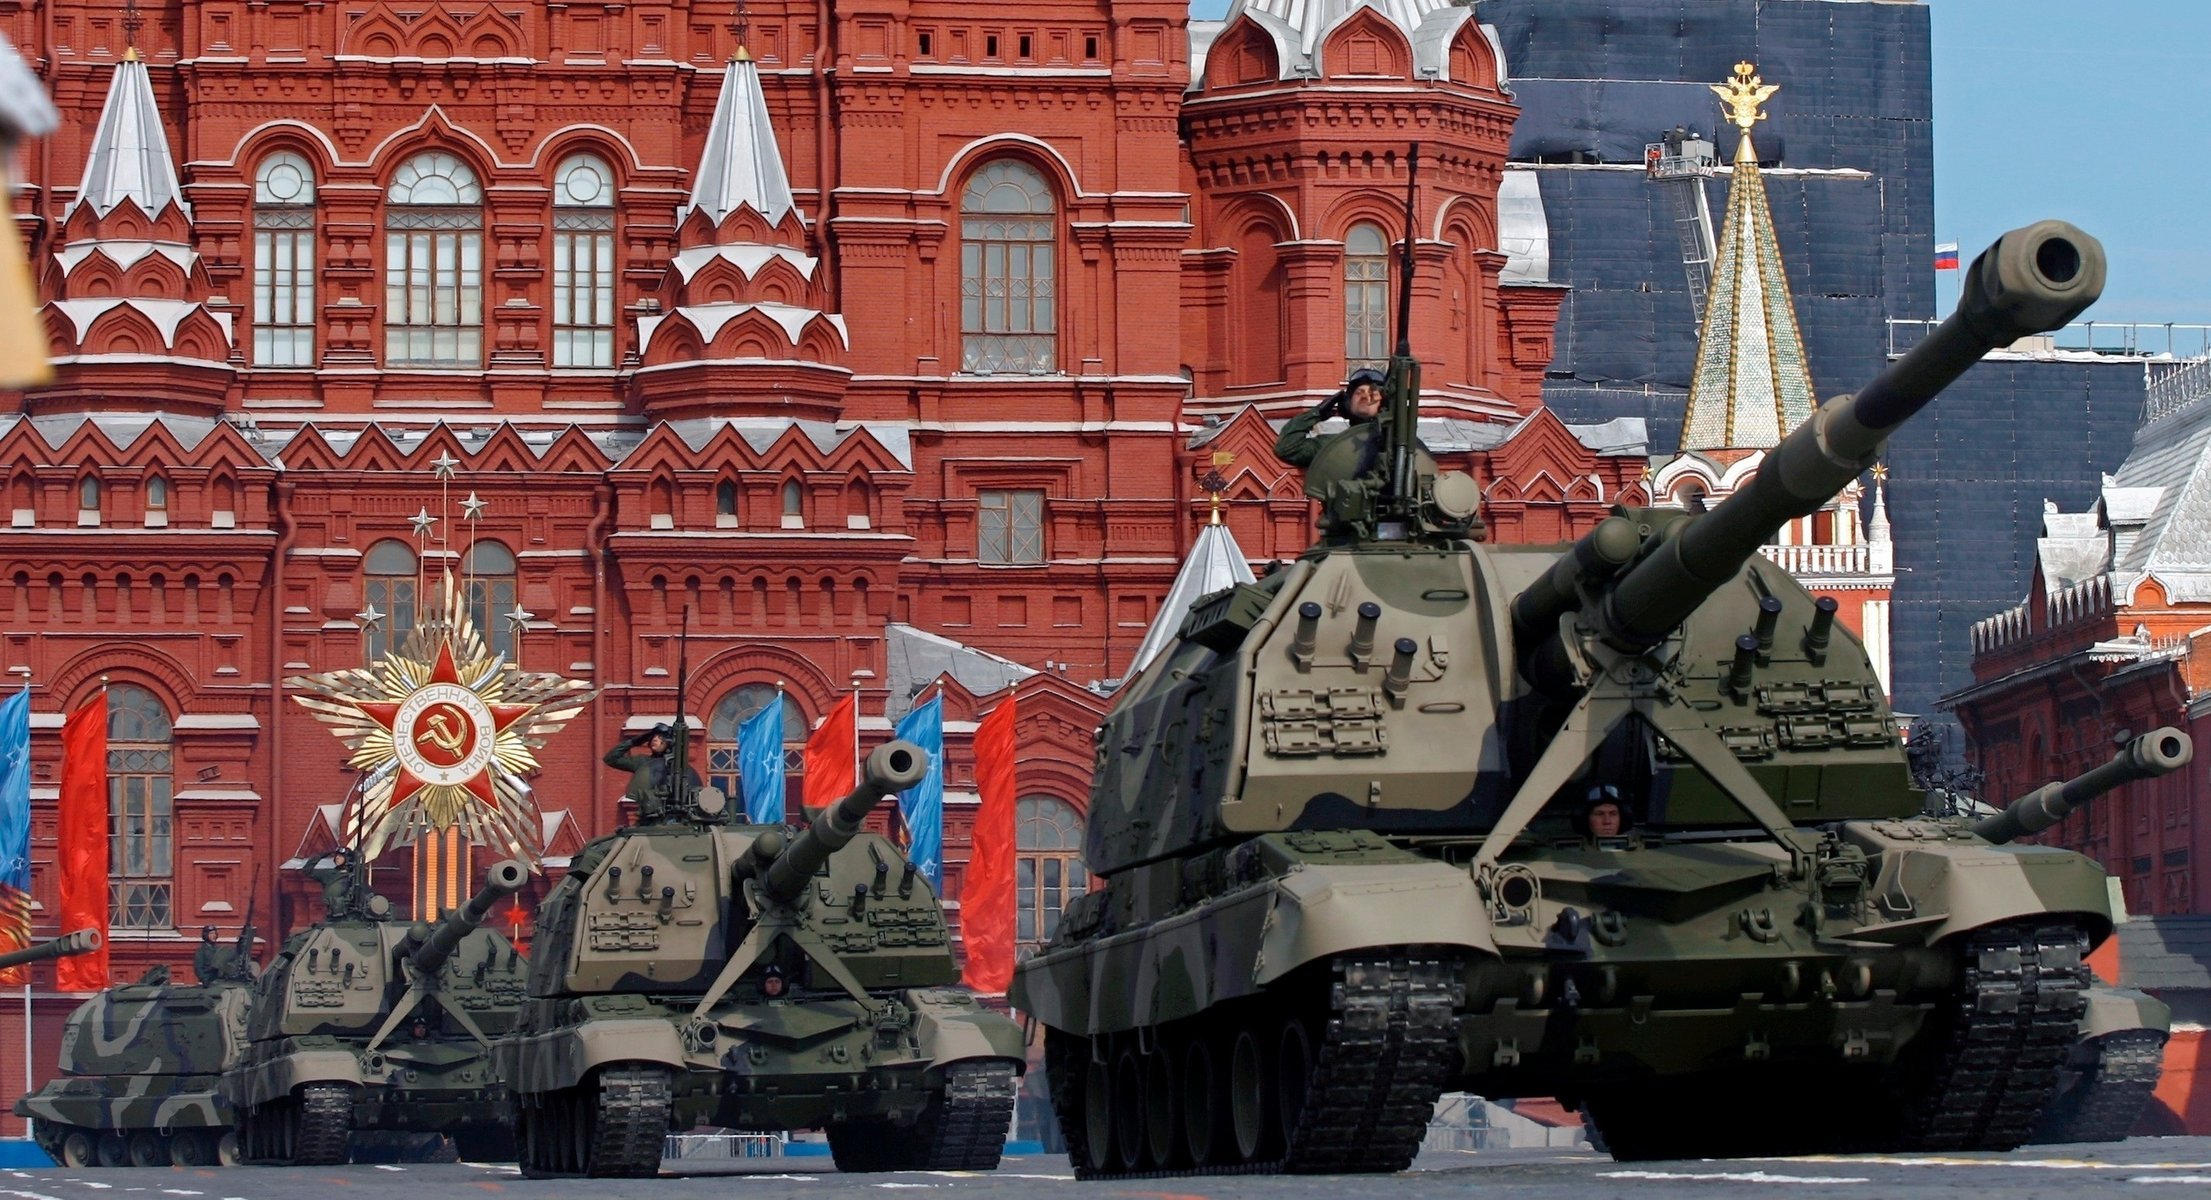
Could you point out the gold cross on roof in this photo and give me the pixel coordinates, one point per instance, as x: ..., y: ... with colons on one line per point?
x: 1743, y: 95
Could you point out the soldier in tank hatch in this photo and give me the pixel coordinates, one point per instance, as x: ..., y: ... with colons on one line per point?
x: 1360, y: 402
x: 648, y: 771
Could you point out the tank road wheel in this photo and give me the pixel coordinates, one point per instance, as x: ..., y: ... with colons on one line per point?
x: 147, y: 1149
x: 1203, y: 1102
x: 962, y: 1128
x: 324, y: 1124
x: 1097, y: 1111
x: 110, y: 1150
x: 191, y: 1148
x: 1293, y: 1079
x: 1247, y: 1096
x: 227, y: 1151
x: 77, y: 1148
x: 1162, y: 1121
x: 1128, y: 1109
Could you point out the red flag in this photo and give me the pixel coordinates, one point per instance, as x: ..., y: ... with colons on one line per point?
x: 987, y: 901
x: 829, y: 767
x: 81, y: 842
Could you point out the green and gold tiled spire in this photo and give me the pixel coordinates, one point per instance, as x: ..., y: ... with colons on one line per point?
x: 1751, y: 384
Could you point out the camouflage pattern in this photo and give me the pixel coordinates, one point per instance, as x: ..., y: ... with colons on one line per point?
x: 1341, y: 822
x: 698, y: 972
x: 363, y: 1023
x: 139, y: 1065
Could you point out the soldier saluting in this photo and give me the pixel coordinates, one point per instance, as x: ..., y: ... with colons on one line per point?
x: 648, y: 771
x: 1360, y: 402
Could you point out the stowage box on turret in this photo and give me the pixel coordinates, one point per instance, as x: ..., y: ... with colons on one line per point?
x: 693, y: 972
x: 368, y: 1023
x: 139, y: 1067
x: 1340, y: 829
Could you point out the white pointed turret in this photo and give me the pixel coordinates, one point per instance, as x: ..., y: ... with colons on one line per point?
x: 1880, y: 544
x: 742, y: 165
x: 1215, y: 562
x: 130, y: 150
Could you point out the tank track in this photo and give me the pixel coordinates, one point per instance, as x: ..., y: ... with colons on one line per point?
x: 2011, y: 1028
x: 631, y: 1129
x: 325, y: 1116
x: 1386, y: 1046
x: 2107, y: 1100
x: 977, y: 1110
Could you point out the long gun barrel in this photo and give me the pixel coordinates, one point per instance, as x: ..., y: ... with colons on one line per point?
x: 2158, y: 752
x: 503, y: 880
x: 83, y: 941
x: 2031, y: 281
x: 893, y: 767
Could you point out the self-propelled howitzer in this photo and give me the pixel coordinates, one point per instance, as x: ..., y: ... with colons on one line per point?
x: 695, y: 972
x: 68, y: 945
x: 365, y: 1023
x: 1341, y: 832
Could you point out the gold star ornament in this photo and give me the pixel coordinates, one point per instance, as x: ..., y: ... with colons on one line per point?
x: 445, y: 737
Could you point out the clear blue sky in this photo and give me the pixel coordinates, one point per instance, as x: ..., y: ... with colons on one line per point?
x: 2096, y: 111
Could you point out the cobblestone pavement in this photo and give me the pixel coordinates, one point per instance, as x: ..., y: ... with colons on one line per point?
x: 2149, y: 1168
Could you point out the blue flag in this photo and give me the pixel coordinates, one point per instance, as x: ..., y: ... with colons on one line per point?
x: 922, y: 806
x: 15, y: 822
x: 15, y: 791
x: 760, y: 763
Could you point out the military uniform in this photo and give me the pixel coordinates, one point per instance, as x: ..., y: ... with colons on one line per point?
x: 648, y: 779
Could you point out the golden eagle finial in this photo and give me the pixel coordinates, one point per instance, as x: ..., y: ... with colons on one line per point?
x: 1744, y: 94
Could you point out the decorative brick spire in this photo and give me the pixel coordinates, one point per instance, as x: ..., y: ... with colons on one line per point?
x: 743, y: 328
x: 1752, y: 384
x: 127, y: 286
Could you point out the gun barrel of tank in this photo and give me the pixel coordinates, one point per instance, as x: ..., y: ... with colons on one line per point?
x: 893, y: 767
x: 83, y: 941
x: 2158, y: 752
x: 503, y: 880
x: 2032, y: 280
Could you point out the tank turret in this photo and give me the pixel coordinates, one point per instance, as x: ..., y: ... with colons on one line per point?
x: 891, y: 768
x: 2158, y: 752
x: 83, y: 941
x: 503, y: 880
x: 690, y: 973
x: 1626, y: 821
x: 2033, y: 280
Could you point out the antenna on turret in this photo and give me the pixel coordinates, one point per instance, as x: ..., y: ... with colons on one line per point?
x: 1401, y: 390
x: 679, y: 742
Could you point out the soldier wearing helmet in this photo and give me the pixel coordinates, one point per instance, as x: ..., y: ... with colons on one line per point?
x: 1360, y: 402
x: 648, y: 771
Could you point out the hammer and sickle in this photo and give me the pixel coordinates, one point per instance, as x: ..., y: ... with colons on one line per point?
x: 442, y: 734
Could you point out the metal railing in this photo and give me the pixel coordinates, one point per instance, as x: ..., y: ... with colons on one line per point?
x: 728, y: 1144
x: 2121, y: 339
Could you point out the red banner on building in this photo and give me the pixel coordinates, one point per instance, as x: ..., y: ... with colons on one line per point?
x: 81, y: 842
x: 986, y: 890
x: 830, y: 755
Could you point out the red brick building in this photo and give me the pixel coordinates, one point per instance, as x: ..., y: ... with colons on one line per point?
x: 2111, y: 641
x: 894, y: 330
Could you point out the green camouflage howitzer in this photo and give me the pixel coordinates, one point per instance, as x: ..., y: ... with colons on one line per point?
x: 697, y: 972
x: 140, y: 1066
x: 1342, y: 833
x: 68, y: 945
x: 369, y: 1024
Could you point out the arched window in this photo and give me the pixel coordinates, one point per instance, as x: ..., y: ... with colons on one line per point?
x: 722, y: 767
x: 434, y: 264
x: 88, y: 501
x: 489, y: 572
x: 725, y: 503
x: 1366, y: 297
x: 141, y: 870
x: 284, y: 261
x: 583, y: 263
x: 157, y: 502
x: 1048, y: 870
x: 1009, y: 241
x: 794, y: 505
x: 388, y: 583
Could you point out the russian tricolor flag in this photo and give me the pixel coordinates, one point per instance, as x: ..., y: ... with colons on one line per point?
x: 1946, y: 256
